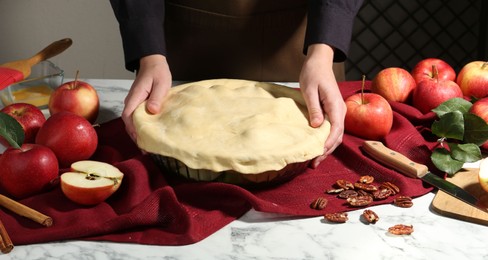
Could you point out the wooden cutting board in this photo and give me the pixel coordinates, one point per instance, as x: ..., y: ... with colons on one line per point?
x: 449, y: 206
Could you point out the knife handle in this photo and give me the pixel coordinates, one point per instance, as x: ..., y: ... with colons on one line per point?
x: 394, y: 159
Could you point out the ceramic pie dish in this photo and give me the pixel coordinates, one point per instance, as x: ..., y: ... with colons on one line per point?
x: 229, y: 130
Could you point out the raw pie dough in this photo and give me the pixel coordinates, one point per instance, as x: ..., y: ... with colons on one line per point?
x: 228, y: 124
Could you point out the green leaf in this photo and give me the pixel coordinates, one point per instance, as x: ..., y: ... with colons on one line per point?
x: 475, y: 129
x: 11, y: 130
x: 443, y: 161
x: 451, y: 105
x: 465, y: 152
x: 450, y: 125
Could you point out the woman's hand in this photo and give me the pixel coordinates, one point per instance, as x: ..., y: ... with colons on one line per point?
x: 322, y: 96
x: 152, y: 82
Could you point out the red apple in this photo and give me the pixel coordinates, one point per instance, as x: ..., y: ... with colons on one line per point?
x: 423, y: 70
x: 480, y: 108
x: 28, y: 170
x: 473, y: 79
x: 77, y: 97
x: 394, y: 84
x: 71, y: 137
x: 29, y: 117
x: 90, y: 182
x: 432, y: 92
x: 368, y: 115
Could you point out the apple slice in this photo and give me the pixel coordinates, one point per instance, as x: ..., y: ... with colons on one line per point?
x: 483, y: 175
x: 90, y: 182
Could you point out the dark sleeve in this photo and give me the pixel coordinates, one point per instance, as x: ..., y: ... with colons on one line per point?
x: 141, y: 24
x: 331, y: 22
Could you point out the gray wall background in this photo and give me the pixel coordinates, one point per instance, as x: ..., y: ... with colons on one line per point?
x: 27, y: 26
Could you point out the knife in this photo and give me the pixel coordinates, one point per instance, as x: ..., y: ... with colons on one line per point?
x: 407, y: 167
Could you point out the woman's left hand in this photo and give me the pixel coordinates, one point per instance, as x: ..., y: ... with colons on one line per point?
x: 322, y: 96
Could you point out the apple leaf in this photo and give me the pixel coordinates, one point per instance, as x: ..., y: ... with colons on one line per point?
x: 475, y: 129
x: 450, y: 125
x: 11, y: 130
x: 465, y: 152
x: 443, y: 161
x: 452, y: 105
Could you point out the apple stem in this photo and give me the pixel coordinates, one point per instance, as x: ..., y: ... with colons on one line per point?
x: 441, y: 141
x: 362, y: 89
x: 435, y: 73
x: 485, y: 64
x: 76, y: 78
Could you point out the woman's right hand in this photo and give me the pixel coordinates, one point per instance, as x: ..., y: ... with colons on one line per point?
x: 151, y: 84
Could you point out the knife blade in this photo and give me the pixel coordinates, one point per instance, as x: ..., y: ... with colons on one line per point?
x: 401, y: 163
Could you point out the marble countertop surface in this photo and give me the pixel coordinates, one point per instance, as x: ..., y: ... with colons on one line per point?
x: 259, y: 235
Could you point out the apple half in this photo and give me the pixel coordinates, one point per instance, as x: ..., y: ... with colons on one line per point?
x: 90, y: 182
x: 483, y: 174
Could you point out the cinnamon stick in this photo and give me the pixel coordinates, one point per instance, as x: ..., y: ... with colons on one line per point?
x: 6, y: 244
x: 25, y: 211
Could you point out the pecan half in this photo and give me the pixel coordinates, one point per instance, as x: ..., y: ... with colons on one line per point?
x: 345, y: 184
x: 390, y: 186
x: 364, y: 193
x: 347, y: 194
x: 403, y: 201
x: 338, y: 217
x: 319, y: 203
x: 370, y: 216
x: 401, y: 229
x: 366, y: 179
x: 359, y: 201
x: 334, y: 191
x: 382, y: 194
x: 365, y: 186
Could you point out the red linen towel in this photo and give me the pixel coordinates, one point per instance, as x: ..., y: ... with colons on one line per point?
x: 151, y: 208
x: 9, y: 76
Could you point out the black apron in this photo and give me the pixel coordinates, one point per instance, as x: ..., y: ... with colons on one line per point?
x: 248, y: 39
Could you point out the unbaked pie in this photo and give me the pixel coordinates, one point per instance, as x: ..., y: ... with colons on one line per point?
x: 231, y: 130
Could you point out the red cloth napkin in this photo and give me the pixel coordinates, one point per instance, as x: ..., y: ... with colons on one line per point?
x: 152, y: 208
x: 9, y: 76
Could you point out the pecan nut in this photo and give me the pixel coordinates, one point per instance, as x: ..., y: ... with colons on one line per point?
x: 382, y: 194
x: 401, y: 229
x: 366, y: 179
x: 345, y: 184
x: 364, y: 193
x: 338, y: 217
x: 388, y: 185
x: 319, y: 203
x: 347, y: 194
x: 365, y: 186
x: 403, y: 201
x: 334, y: 191
x: 370, y: 216
x: 359, y: 201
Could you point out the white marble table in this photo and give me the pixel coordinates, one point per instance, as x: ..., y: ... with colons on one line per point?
x: 268, y: 236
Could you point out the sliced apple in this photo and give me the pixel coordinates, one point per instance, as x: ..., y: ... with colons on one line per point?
x: 483, y: 175
x: 90, y: 182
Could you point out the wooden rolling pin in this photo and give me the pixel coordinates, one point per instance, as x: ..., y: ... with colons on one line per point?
x: 16, y: 71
